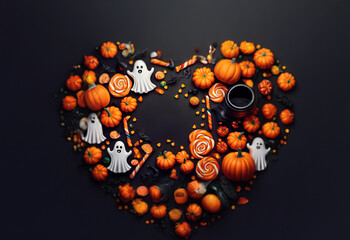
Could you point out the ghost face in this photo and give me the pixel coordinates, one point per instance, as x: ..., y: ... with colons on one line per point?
x: 139, y: 67
x: 258, y: 143
x: 92, y: 119
x: 119, y: 147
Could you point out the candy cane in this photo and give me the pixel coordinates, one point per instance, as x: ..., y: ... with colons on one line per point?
x: 207, y: 103
x: 126, y: 129
x: 189, y: 62
x: 133, y: 174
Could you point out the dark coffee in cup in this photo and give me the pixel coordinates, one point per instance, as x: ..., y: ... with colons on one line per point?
x: 239, y: 102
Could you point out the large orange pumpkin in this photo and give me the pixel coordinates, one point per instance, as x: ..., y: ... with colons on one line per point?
x: 229, y: 49
x: 211, y: 203
x: 166, y: 160
x: 111, y: 116
x: 203, y: 78
x: 264, y: 58
x: 248, y: 69
x: 236, y: 140
x: 227, y: 71
x: 96, y: 97
x: 108, y: 49
x: 238, y: 166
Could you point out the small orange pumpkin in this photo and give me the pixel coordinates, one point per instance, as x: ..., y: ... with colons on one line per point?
x: 194, y: 212
x: 286, y: 81
x: 100, y: 172
x: 227, y: 71
x: 74, y: 82
x: 181, y: 156
x: 126, y: 192
x: 211, y: 203
x: 81, y: 100
x: 238, y: 166
x: 264, y: 58
x: 92, y: 155
x: 111, y: 116
x: 183, y: 230
x: 236, y: 140
x: 158, y: 212
x: 251, y: 123
x: 69, y: 103
x: 175, y: 214
x: 89, y: 77
x: 97, y: 97
x: 155, y: 194
x: 247, y: 47
x: 180, y: 196
x: 248, y: 69
x: 287, y: 116
x: 194, y: 189
x: 194, y: 101
x: 222, y: 131
x: 128, y: 104
x: 271, y: 129
x: 108, y: 50
x: 221, y: 147
x: 187, y: 167
x: 265, y: 87
x: 229, y: 49
x: 140, y: 206
x: 203, y: 78
x: 91, y: 62
x: 269, y: 110
x: 166, y: 160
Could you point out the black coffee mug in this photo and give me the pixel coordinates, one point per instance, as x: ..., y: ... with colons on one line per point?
x: 240, y: 100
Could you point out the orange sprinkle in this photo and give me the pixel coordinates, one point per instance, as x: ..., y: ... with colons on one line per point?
x: 193, y: 178
x: 103, y: 147
x: 147, y: 222
x: 107, y: 142
x: 238, y: 188
x: 242, y: 200
x: 140, y: 99
x: 247, y: 188
x: 152, y: 220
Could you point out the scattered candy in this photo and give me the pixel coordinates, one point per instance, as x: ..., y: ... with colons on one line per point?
x: 140, y: 99
x: 176, y: 96
x: 202, y: 124
x: 203, y: 116
x: 180, y: 91
x: 194, y: 126
x: 163, y: 83
x: 159, y: 144
x: 169, y: 64
x: 168, y: 140
x: 173, y: 144
x: 148, y: 149
x: 197, y: 113
x: 159, y: 75
x: 189, y: 62
x: 159, y: 91
x: 183, y: 85
x: 210, y: 124
x: 165, y: 87
x: 186, y: 95
x: 114, y: 134
x: 132, y: 132
x: 181, y: 147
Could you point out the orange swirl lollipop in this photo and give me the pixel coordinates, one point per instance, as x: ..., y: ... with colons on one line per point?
x: 217, y: 92
x: 119, y: 85
x: 207, y: 168
x: 201, y: 143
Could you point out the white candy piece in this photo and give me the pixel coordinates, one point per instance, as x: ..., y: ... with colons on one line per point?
x: 94, y: 133
x: 142, y: 78
x: 119, y: 158
x: 258, y: 152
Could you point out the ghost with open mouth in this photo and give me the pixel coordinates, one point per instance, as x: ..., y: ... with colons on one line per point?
x: 258, y: 151
x: 119, y: 158
x: 142, y: 78
x: 94, y: 133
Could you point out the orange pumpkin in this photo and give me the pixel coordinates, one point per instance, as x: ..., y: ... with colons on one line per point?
x: 100, y: 172
x: 183, y: 230
x: 92, y: 155
x: 69, y: 103
x: 97, y: 97
x: 238, y: 166
x: 111, y: 116
x: 248, y: 69
x: 265, y: 87
x: 211, y: 203
x: 126, y: 192
x: 194, y: 212
x: 251, y: 123
x: 73, y: 83
x: 81, y: 100
x: 108, y: 50
x: 194, y: 101
x: 203, y: 78
x: 89, y: 77
x: 155, y: 194
x: 187, y: 166
x: 158, y: 212
x: 269, y: 110
x: 229, y: 49
x: 180, y: 196
x: 175, y: 214
x: 236, y: 140
x: 181, y: 156
x: 91, y: 62
x: 247, y: 47
x: 128, y: 104
x: 140, y: 206
x: 271, y: 130
x: 104, y: 78
x: 227, y: 71
x: 222, y: 131
x: 221, y: 147
x: 194, y: 189
x: 264, y: 58
x: 287, y: 116
x: 166, y: 160
x: 286, y: 81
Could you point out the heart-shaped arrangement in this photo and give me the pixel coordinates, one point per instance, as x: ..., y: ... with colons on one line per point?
x: 182, y: 187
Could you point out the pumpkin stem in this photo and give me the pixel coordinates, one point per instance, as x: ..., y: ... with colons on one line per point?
x: 164, y: 154
x: 90, y: 154
x: 264, y: 54
x: 240, y: 135
x: 233, y: 60
x: 239, y: 155
x: 109, y: 113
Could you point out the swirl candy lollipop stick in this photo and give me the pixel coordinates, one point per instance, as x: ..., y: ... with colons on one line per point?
x: 147, y: 148
x: 126, y: 129
x: 189, y: 62
x: 210, y: 122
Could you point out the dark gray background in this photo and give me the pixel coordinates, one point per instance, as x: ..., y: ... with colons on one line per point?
x: 46, y: 194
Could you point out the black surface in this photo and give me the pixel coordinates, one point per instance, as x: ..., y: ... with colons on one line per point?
x: 47, y: 195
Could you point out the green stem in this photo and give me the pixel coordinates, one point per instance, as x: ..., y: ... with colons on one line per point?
x: 90, y: 154
x: 164, y: 154
x: 240, y: 135
x: 233, y: 60
x: 239, y: 155
x: 109, y: 113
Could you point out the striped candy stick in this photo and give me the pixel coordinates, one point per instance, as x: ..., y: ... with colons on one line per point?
x: 126, y: 129
x: 148, y: 150
x: 160, y: 62
x: 207, y: 103
x: 189, y: 62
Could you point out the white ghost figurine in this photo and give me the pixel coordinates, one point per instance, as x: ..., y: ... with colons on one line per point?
x: 119, y: 157
x: 94, y: 133
x: 258, y: 152
x: 142, y: 78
